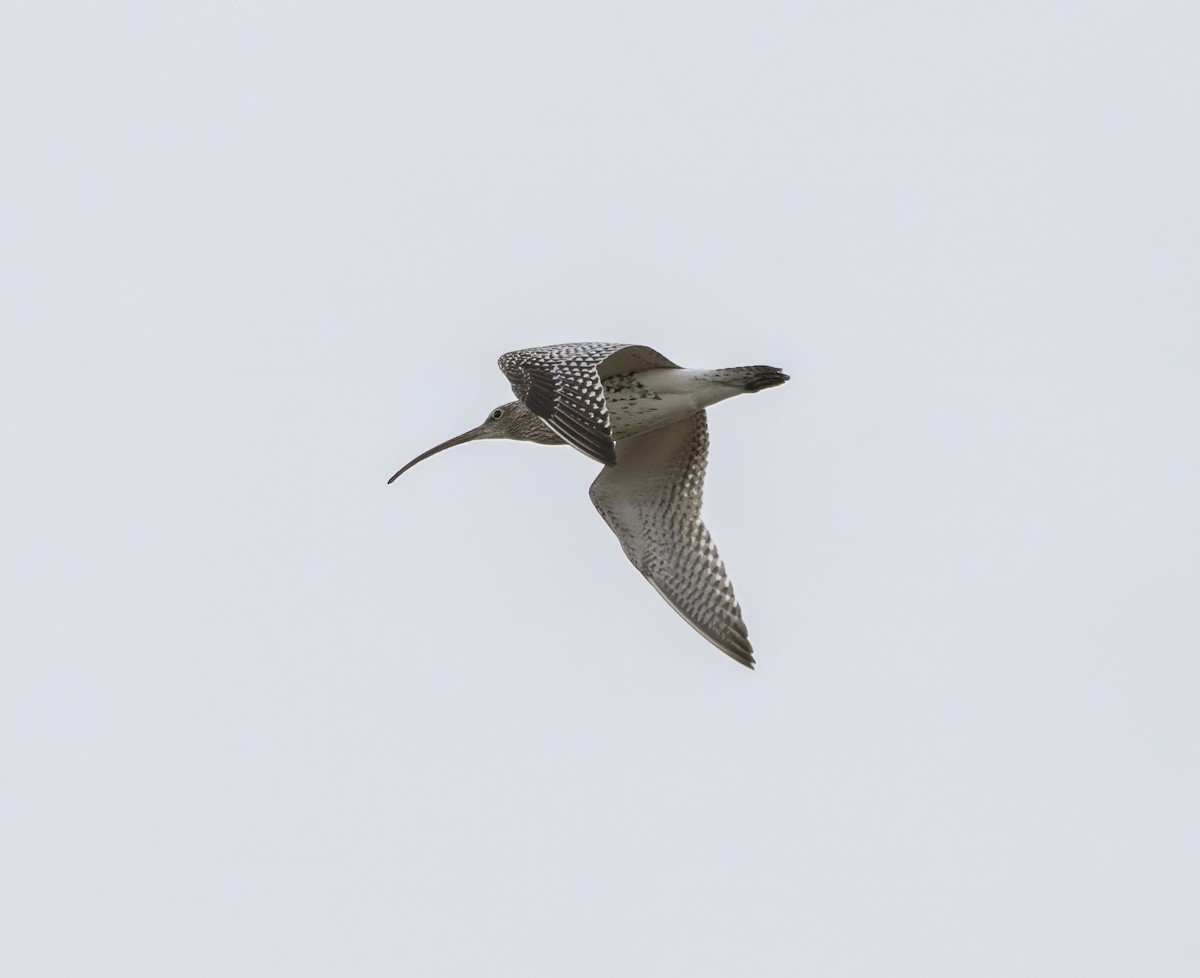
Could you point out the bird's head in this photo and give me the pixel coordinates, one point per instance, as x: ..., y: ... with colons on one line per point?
x: 512, y: 420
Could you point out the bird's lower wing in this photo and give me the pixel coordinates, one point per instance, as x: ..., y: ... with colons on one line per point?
x: 651, y: 500
x: 563, y: 385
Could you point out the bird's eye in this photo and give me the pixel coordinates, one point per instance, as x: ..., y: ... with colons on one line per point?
x: 497, y: 414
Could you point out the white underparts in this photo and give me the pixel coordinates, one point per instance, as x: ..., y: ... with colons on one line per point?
x: 644, y: 401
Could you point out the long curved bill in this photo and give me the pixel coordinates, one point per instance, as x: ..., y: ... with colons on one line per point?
x: 459, y: 440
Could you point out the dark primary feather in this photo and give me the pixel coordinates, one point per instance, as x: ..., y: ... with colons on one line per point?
x: 563, y: 385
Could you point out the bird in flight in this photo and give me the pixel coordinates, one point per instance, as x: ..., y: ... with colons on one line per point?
x: 643, y: 417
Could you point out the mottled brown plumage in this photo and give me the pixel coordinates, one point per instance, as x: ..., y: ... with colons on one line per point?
x: 644, y: 418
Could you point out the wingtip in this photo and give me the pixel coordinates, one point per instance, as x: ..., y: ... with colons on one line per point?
x: 746, y: 659
x: 737, y: 647
x: 600, y: 449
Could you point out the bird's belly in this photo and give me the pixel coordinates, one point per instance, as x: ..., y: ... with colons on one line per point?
x: 641, y: 402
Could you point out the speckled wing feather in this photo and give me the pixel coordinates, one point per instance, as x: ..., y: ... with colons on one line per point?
x: 563, y: 385
x: 651, y: 500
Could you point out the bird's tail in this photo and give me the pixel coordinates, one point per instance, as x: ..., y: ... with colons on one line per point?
x: 751, y: 379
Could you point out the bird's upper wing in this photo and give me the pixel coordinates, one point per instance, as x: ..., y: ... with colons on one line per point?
x: 651, y: 501
x: 564, y: 386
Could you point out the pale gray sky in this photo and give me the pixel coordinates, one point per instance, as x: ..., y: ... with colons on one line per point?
x: 261, y: 714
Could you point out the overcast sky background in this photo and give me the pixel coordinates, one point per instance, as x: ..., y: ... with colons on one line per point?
x: 261, y: 714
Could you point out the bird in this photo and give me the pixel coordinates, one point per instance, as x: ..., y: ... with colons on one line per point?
x: 644, y: 417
